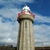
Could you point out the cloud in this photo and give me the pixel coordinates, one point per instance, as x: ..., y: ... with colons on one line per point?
x: 41, y: 30
x: 8, y: 30
x: 42, y: 34
x: 9, y: 15
x: 13, y: 3
x: 42, y: 19
x: 27, y: 1
x: 8, y: 33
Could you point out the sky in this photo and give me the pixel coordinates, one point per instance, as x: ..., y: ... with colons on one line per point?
x: 9, y: 26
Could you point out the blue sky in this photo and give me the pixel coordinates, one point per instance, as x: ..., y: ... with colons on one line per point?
x: 9, y: 25
x: 42, y: 7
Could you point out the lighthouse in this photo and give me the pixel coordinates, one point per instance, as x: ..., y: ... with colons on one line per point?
x: 25, y: 34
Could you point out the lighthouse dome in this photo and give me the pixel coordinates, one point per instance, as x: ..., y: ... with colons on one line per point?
x: 26, y: 8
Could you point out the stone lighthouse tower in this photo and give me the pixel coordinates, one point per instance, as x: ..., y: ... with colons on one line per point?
x: 25, y: 36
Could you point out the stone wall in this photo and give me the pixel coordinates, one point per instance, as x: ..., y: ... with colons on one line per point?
x: 9, y: 47
x: 14, y: 48
x: 42, y: 48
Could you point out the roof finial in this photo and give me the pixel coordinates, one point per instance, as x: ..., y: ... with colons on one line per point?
x: 25, y: 5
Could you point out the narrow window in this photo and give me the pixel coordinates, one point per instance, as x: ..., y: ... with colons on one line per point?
x: 25, y: 24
